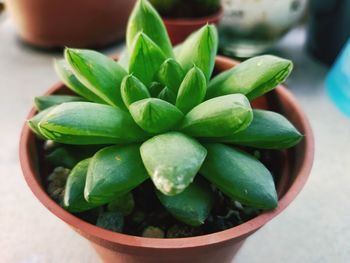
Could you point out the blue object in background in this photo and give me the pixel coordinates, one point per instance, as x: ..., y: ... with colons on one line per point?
x: 338, y: 81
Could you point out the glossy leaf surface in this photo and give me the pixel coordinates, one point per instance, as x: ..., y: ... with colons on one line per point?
x: 112, y: 172
x: 240, y: 176
x: 34, y: 121
x: 268, y: 130
x: 253, y: 77
x: 145, y: 59
x: 192, y: 90
x: 74, y: 200
x: 218, y: 117
x: 192, y: 206
x: 44, y: 102
x: 200, y: 49
x: 155, y: 115
x: 171, y: 74
x: 133, y: 90
x: 101, y: 74
x: 144, y: 18
x: 172, y: 161
x: 66, y: 75
x: 89, y: 123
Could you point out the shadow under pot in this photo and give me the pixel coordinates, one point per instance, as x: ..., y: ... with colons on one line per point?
x: 78, y: 23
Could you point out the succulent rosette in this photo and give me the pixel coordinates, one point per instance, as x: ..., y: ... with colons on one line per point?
x: 159, y: 114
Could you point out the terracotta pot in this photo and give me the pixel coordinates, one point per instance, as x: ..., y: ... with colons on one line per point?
x: 76, y: 23
x: 220, y: 246
x: 180, y: 28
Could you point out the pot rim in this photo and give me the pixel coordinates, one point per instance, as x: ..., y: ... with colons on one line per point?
x: 173, y: 243
x: 196, y: 21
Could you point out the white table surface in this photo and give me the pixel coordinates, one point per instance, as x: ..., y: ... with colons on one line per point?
x: 314, y: 229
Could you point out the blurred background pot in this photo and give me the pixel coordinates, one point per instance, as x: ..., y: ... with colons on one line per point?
x: 182, y: 17
x: 328, y: 28
x: 2, y: 10
x: 179, y: 29
x: 250, y: 27
x: 74, y: 23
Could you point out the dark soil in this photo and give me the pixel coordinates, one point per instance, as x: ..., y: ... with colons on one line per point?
x: 149, y: 218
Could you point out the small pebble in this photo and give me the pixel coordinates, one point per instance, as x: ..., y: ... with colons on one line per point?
x: 153, y: 231
x: 137, y: 217
x: 257, y: 154
x: 113, y: 221
x: 177, y: 231
x: 238, y: 205
x: 220, y: 223
x: 56, y: 184
x: 49, y: 145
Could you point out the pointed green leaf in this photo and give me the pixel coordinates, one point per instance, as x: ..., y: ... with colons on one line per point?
x: 113, y: 171
x: 200, y: 49
x: 192, y: 90
x: 172, y: 160
x: 89, y: 123
x: 192, y: 206
x: 144, y: 18
x: 167, y: 95
x: 44, y: 102
x: 101, y: 74
x: 155, y: 88
x: 145, y: 59
x: 171, y: 74
x: 268, y: 130
x: 133, y: 90
x: 66, y: 75
x: 221, y: 116
x: 124, y: 204
x: 240, y: 176
x: 253, y: 77
x: 33, y: 123
x: 74, y: 200
x: 155, y: 115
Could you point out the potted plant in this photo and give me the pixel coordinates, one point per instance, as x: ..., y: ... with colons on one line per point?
x: 81, y: 23
x: 162, y: 160
x: 182, y: 17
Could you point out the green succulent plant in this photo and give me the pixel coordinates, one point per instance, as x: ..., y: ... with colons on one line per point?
x: 161, y: 116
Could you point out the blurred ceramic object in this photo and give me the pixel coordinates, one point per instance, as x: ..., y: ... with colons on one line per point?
x: 74, y: 23
x: 250, y: 27
x: 328, y: 28
x: 182, y: 17
x: 2, y: 10
x: 338, y: 81
x: 180, y: 28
